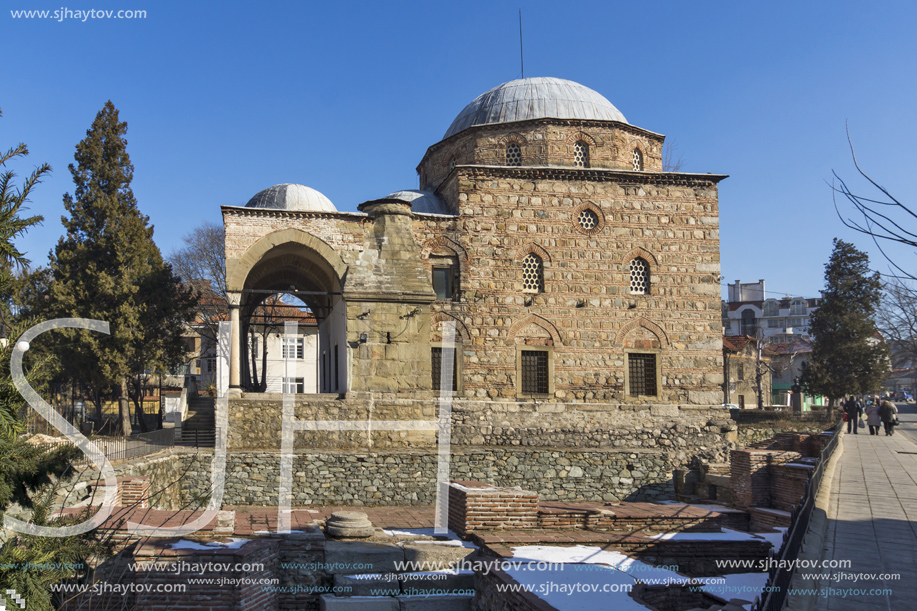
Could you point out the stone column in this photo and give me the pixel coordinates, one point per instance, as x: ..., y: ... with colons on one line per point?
x: 235, y: 353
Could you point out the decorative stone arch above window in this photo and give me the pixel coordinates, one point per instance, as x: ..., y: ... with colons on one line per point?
x: 533, y: 249
x: 436, y: 332
x: 544, y: 324
x: 642, y: 253
x: 640, y: 333
x: 589, y: 139
x: 443, y: 245
x: 588, y: 218
x: 514, y: 137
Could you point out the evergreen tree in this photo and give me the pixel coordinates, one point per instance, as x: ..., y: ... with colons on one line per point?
x: 25, y: 468
x: 107, y: 267
x: 848, y: 356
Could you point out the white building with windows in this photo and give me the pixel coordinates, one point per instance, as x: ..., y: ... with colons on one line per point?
x: 782, y: 320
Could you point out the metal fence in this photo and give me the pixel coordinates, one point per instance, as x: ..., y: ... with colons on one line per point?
x: 781, y: 572
x: 124, y: 448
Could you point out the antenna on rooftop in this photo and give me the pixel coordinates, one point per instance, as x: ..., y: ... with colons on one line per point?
x: 521, y: 56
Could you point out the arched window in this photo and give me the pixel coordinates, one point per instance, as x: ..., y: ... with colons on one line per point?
x: 638, y: 159
x: 639, y: 277
x: 771, y: 308
x: 532, y: 274
x: 749, y: 326
x: 513, y: 154
x: 581, y: 154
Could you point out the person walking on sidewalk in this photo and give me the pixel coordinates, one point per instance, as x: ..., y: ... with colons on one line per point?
x: 873, y: 420
x: 888, y: 411
x: 853, y: 411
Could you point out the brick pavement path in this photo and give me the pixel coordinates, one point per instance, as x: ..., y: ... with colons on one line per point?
x: 872, y: 521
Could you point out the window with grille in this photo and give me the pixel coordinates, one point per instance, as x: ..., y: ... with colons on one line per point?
x: 641, y: 374
x: 581, y: 154
x: 638, y: 159
x: 437, y: 359
x: 532, y: 274
x: 639, y: 277
x: 293, y: 348
x: 446, y: 274
x: 294, y: 385
x: 534, y: 374
x: 513, y: 154
x: 588, y: 219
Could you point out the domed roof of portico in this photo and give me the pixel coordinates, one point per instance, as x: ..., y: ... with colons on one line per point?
x: 297, y: 198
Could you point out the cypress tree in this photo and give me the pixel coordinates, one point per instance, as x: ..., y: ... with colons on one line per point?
x: 107, y: 267
x: 848, y: 355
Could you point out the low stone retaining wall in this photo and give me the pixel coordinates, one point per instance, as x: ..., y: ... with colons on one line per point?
x: 405, y: 477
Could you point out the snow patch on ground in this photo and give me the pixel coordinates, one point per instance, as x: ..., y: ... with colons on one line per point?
x: 233, y: 543
x: 585, y: 577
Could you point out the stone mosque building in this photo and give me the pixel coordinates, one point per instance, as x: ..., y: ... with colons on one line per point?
x: 582, y: 278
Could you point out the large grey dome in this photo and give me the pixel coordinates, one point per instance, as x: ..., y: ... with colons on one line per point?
x: 535, y: 98
x: 298, y: 198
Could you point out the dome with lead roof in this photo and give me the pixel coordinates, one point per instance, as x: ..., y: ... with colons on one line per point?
x: 535, y: 98
x: 423, y: 202
x: 296, y: 198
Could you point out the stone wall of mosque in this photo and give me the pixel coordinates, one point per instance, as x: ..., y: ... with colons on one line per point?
x: 586, y: 311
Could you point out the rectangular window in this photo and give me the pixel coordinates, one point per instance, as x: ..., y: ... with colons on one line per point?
x: 741, y: 401
x: 534, y: 372
x: 437, y: 369
x: 337, y: 383
x: 293, y: 348
x: 294, y: 385
x: 740, y: 372
x: 211, y: 365
x: 446, y: 279
x: 775, y: 323
x: 642, y: 374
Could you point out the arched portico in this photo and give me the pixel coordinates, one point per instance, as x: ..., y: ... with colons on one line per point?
x: 295, y: 262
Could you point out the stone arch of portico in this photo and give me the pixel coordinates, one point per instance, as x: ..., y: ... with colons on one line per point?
x: 295, y: 262
x: 237, y: 270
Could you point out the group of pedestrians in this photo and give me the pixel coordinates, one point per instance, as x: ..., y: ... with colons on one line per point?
x: 877, y: 413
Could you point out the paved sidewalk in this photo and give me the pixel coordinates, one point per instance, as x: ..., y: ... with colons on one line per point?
x: 872, y: 521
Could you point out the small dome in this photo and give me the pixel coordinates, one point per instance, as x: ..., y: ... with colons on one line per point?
x: 423, y: 202
x: 299, y: 198
x: 535, y: 98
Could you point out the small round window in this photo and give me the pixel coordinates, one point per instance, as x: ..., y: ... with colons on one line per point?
x: 588, y: 219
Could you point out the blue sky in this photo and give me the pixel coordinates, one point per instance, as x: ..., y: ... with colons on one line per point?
x: 224, y: 99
